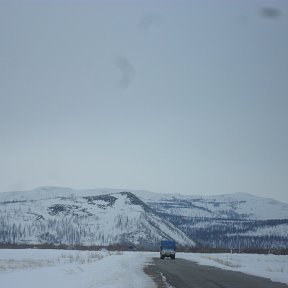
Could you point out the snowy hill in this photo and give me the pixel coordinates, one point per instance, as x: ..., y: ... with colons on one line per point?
x: 241, y: 206
x: 238, y: 220
x: 117, y: 217
x: 62, y: 215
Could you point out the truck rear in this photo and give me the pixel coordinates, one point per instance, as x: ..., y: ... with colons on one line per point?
x: 167, y: 249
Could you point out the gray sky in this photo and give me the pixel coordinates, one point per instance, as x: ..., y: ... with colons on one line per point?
x: 186, y: 97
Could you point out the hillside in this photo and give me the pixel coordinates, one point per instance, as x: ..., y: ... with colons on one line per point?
x: 141, y: 218
x: 65, y: 216
x: 240, y: 206
x: 235, y: 221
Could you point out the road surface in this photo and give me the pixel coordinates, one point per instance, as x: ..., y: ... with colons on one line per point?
x: 182, y: 273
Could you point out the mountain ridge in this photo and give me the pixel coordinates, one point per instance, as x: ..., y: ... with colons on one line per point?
x: 71, y: 217
x: 142, y: 218
x: 139, y: 192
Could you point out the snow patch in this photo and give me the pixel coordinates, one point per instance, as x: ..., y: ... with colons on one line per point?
x: 74, y: 269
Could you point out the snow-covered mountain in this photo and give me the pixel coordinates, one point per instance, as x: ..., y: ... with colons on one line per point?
x: 91, y: 217
x: 116, y: 216
x: 240, y: 206
x: 238, y: 220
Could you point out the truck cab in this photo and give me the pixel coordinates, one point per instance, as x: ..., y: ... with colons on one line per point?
x: 167, y: 249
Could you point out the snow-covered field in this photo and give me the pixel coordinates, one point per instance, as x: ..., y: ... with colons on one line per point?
x: 33, y: 268
x: 274, y: 267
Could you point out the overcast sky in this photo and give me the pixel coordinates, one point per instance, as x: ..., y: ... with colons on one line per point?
x: 183, y: 97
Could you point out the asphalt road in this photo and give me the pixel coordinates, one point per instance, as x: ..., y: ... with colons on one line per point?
x: 182, y: 273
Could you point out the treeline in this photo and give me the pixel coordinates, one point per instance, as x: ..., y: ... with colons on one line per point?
x: 231, y: 233
x: 67, y: 231
x: 122, y: 247
x: 226, y: 250
x: 113, y: 247
x: 78, y: 231
x: 116, y: 247
x: 243, y: 242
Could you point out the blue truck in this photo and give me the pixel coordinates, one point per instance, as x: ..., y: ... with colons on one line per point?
x: 167, y: 249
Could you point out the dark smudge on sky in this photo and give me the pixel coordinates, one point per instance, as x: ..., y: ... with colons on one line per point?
x: 127, y: 71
